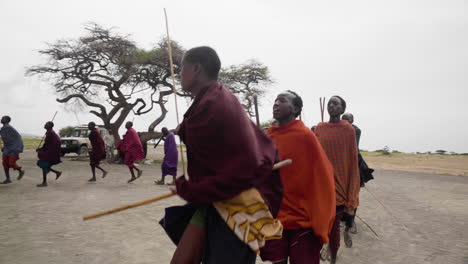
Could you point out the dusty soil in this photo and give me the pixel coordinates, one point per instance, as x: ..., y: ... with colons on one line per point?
x: 418, y: 218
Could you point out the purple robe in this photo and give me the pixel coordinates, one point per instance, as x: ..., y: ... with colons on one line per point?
x: 169, y: 165
x: 50, y: 151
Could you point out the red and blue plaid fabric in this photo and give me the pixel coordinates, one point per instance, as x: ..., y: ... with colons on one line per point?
x: 339, y: 142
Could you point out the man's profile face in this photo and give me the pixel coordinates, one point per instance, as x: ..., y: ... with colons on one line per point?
x: 188, y: 74
x: 4, y: 120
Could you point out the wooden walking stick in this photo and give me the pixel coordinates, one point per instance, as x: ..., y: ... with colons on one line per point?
x: 171, y: 64
x: 161, y: 197
x: 368, y: 226
x: 53, y: 118
x: 158, y: 141
x: 322, y: 106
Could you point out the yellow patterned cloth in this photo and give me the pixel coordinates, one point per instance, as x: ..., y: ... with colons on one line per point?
x: 249, y: 218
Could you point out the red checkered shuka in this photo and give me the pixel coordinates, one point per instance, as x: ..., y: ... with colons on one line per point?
x: 339, y: 142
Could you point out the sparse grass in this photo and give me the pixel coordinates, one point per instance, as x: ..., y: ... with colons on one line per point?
x: 29, y: 143
x: 430, y: 163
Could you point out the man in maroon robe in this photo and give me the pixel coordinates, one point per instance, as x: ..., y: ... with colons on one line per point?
x: 133, y: 150
x: 49, y: 154
x: 98, y: 151
x: 227, y: 155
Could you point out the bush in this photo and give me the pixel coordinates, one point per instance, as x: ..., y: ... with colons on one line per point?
x: 386, y: 150
x: 66, y: 131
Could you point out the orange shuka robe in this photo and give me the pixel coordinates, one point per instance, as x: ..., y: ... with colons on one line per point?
x: 308, y: 183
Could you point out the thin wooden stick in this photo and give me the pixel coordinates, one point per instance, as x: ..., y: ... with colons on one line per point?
x: 53, y: 118
x: 171, y: 63
x: 368, y: 226
x: 125, y: 207
x: 281, y: 164
x: 159, y: 141
x: 321, y: 108
x: 161, y: 197
x: 386, y: 209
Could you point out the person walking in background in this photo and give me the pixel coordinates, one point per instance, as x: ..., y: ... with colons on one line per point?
x: 49, y: 154
x: 350, y: 118
x: 169, y: 164
x: 133, y: 151
x: 12, y: 147
x: 98, y: 151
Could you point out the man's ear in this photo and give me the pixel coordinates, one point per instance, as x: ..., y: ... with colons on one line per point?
x: 295, y: 109
x: 197, y: 68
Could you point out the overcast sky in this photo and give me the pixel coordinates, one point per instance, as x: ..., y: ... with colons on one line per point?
x: 401, y: 65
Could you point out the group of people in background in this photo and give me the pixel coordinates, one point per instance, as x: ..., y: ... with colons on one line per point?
x: 49, y: 153
x: 233, y: 193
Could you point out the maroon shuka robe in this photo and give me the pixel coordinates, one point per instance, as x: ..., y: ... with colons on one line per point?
x: 132, y: 147
x: 50, y: 151
x: 227, y: 153
x: 98, y: 152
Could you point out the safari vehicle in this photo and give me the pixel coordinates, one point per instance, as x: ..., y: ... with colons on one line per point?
x: 78, y: 142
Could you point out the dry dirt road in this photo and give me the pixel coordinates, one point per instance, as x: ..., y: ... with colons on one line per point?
x: 419, y: 218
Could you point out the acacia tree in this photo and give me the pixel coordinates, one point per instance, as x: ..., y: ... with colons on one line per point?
x: 246, y: 81
x: 108, y: 73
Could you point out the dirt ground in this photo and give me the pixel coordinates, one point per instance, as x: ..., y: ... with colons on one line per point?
x: 418, y: 218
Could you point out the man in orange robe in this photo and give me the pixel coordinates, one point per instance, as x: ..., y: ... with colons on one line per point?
x: 307, y: 211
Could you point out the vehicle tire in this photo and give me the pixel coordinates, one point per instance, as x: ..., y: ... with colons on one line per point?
x: 83, y: 151
x: 62, y: 154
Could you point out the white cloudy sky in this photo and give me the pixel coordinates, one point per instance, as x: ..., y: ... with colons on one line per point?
x: 400, y: 64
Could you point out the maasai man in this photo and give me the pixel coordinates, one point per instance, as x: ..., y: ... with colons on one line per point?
x: 98, y: 151
x: 350, y: 118
x: 133, y: 150
x: 169, y: 165
x: 365, y: 175
x: 313, y: 128
x: 338, y: 139
x: 308, y: 208
x: 49, y: 154
x: 12, y: 147
x: 230, y: 163
x: 349, y: 218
